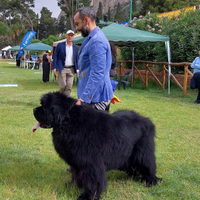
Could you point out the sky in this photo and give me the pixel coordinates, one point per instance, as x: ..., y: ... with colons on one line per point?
x: 51, y: 5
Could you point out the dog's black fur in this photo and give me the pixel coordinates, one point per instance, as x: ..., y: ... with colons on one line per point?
x: 93, y: 142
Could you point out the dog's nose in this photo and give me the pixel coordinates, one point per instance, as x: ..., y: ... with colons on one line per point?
x: 34, y: 109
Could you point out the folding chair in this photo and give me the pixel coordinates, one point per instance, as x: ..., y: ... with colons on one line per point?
x: 124, y: 79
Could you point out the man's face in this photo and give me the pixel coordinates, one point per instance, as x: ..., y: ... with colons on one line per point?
x: 70, y: 37
x: 80, y: 25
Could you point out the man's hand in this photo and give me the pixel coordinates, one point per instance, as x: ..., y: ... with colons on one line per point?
x: 78, y: 103
x: 55, y: 71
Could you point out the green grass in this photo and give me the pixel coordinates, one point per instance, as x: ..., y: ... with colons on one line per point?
x: 31, y: 169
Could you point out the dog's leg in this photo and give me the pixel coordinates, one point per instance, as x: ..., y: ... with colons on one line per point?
x: 143, y: 161
x: 94, y: 182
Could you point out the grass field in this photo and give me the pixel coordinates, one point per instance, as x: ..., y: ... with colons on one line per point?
x: 30, y: 169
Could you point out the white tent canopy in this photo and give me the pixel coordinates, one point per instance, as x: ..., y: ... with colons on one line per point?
x: 6, y: 48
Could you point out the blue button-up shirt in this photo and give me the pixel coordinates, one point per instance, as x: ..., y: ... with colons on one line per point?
x: 94, y: 65
x: 196, y: 65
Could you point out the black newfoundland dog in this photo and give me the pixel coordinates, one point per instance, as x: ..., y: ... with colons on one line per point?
x: 93, y: 142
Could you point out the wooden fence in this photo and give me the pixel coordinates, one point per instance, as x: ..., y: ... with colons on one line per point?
x: 164, y: 72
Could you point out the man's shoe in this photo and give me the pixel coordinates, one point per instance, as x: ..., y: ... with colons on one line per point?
x: 197, y: 102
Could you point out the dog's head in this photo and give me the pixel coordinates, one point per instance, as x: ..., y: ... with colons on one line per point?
x: 53, y: 110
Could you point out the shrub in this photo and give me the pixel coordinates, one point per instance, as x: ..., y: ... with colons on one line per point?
x: 184, y: 34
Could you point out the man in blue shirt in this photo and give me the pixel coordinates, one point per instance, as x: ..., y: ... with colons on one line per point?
x: 94, y: 86
x: 195, y: 81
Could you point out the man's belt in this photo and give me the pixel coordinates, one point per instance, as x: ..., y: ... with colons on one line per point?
x: 69, y: 66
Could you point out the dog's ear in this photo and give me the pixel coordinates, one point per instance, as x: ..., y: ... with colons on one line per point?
x: 57, y: 115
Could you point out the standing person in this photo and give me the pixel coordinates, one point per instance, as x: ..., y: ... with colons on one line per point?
x: 94, y: 86
x: 18, y: 60
x: 114, y: 60
x: 46, y: 60
x: 65, y: 61
x: 195, y: 81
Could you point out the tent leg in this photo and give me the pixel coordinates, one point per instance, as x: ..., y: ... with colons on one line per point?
x: 167, y: 46
x: 132, y: 66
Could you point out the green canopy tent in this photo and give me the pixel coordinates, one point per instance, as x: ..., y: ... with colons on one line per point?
x: 102, y: 23
x: 36, y: 47
x: 15, y: 48
x: 125, y: 36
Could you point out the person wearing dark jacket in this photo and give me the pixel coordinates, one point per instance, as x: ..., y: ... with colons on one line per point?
x: 46, y: 60
x: 65, y: 62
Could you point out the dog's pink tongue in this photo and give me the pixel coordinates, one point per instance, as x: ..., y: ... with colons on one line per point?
x: 36, y: 126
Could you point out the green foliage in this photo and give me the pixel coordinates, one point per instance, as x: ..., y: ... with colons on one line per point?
x: 5, y: 41
x: 109, y: 17
x: 161, y: 6
x: 99, y: 11
x: 62, y: 24
x: 3, y: 29
x: 51, y: 39
x: 183, y: 32
x: 46, y: 23
x: 118, y: 16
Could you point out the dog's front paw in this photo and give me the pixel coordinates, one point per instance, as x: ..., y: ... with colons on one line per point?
x: 86, y: 197
x: 153, y: 181
x: 82, y: 198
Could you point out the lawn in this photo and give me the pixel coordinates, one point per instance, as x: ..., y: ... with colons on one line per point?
x: 31, y: 169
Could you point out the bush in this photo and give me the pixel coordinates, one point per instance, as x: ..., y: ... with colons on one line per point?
x: 184, y: 34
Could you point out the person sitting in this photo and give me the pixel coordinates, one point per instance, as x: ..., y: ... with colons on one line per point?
x: 30, y: 58
x: 195, y: 81
x: 37, y: 63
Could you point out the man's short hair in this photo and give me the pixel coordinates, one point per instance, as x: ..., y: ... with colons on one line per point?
x: 86, y: 12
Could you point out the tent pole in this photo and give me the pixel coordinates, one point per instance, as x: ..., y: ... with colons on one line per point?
x: 131, y: 10
x: 132, y: 66
x: 24, y: 59
x: 169, y: 61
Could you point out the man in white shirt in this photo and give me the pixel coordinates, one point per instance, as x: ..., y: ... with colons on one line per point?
x: 65, y: 61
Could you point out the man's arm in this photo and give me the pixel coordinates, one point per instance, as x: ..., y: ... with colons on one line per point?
x: 194, y: 64
x: 97, y: 57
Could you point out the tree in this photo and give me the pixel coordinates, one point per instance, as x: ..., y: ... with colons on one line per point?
x: 69, y: 7
x: 86, y: 2
x: 109, y: 17
x: 118, y: 13
x: 135, y: 11
x: 23, y: 8
x: 3, y: 29
x: 62, y: 24
x: 46, y: 26
x: 99, y: 11
x: 5, y: 11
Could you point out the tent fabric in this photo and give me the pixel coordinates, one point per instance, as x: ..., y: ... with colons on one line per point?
x: 38, y: 47
x: 125, y: 36
x: 6, y: 48
x: 15, y: 48
x: 101, y: 22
